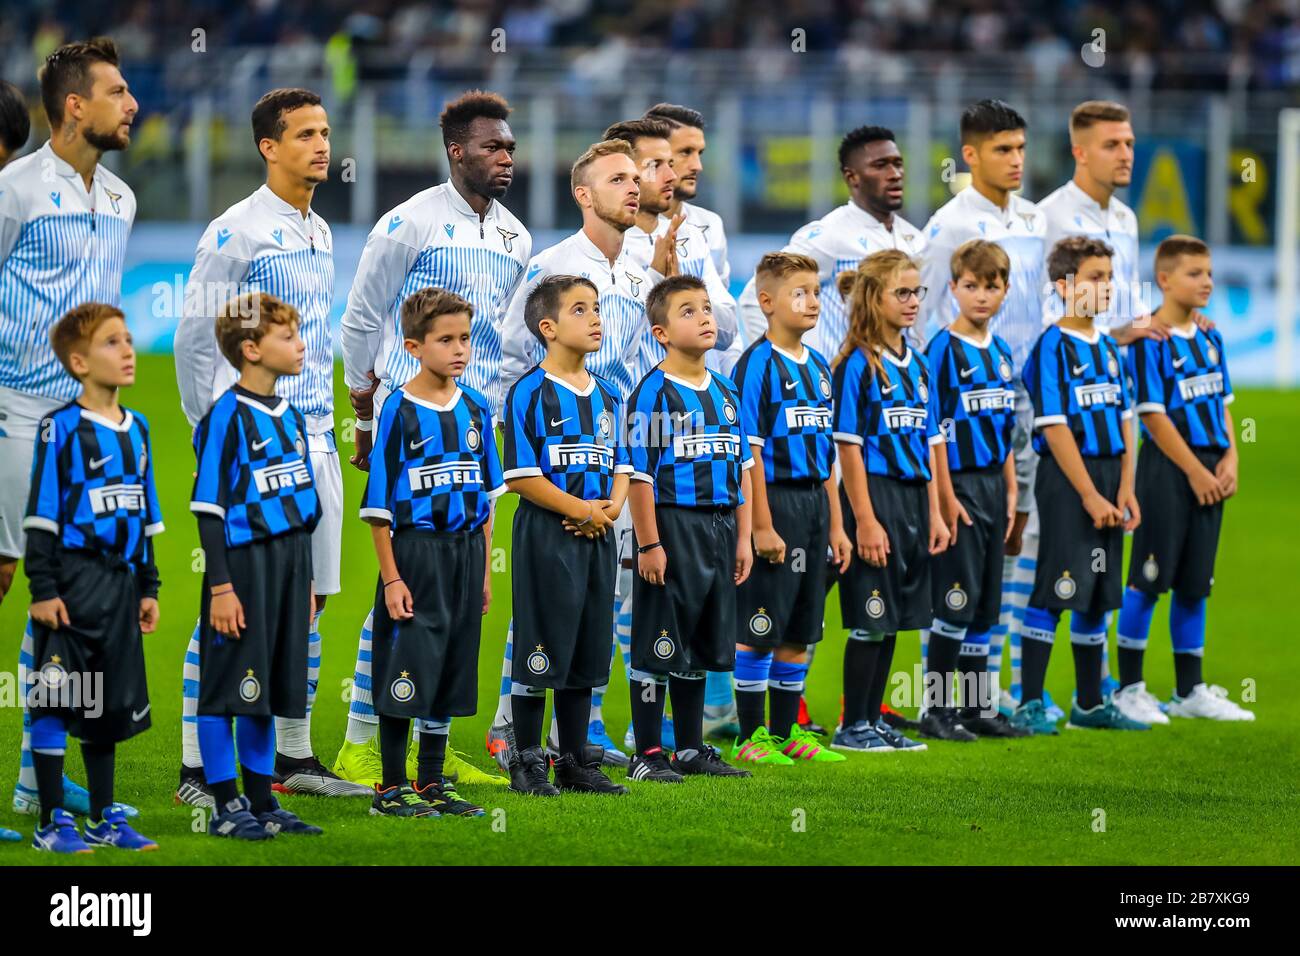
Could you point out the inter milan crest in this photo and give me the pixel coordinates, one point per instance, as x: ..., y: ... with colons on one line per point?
x: 1004, y: 369
x: 1112, y: 366
x: 729, y: 412
x: 955, y: 598
x: 760, y: 623
x: 402, y: 689
x: 922, y: 392
x: 1212, y: 354
x: 538, y: 662
x: 507, y: 238
x: 876, y: 604
x: 1065, y: 586
x: 472, y: 438
x: 664, y: 646
x: 250, y: 688
x: 825, y: 387
x: 1150, y: 569
x: 53, y: 674
x: 606, y: 424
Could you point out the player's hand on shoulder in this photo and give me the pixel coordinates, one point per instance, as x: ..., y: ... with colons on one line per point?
x: 873, y: 543
x: 1202, y: 320
x: 769, y: 545
x: 745, y: 559
x: 397, y: 598
x: 148, y: 615
x: 52, y: 613
x: 1141, y: 327
x: 652, y: 565
x: 841, y: 548
x: 227, y: 614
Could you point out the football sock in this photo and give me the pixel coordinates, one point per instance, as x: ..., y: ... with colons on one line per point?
x: 861, y: 652
x: 190, y: 753
x: 362, y: 719
x: 1017, y: 586
x: 49, y: 742
x: 1087, y: 638
x: 393, y: 735
x: 687, y: 693
x: 26, y: 678
x: 255, y: 740
x: 945, y: 647
x: 505, y: 706
x: 649, y: 695
x: 1131, y: 637
x: 880, y: 677
x: 972, y: 665
x: 529, y: 709
x: 1187, y: 629
x: 1039, y: 631
x: 718, y: 699
x: 623, y: 618
x: 293, y: 735
x: 432, y: 755
x: 785, y: 686
x: 572, y: 708
x: 98, y: 758
x: 224, y: 791
x: 752, y: 669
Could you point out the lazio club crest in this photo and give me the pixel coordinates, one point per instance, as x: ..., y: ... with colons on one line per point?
x: 402, y: 689
x: 876, y: 605
x: 114, y: 200
x: 1065, y: 587
x: 507, y: 238
x: 664, y: 647
x: 538, y: 662
x: 634, y: 283
x: 760, y: 624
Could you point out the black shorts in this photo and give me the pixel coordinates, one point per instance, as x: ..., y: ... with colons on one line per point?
x: 264, y: 672
x: 91, y: 671
x: 968, y: 575
x: 427, y: 666
x: 1080, y: 568
x: 1175, y: 545
x: 689, y: 622
x: 784, y: 603
x: 896, y: 597
x: 563, y: 588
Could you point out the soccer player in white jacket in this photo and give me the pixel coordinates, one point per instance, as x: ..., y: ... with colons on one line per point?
x: 606, y: 185
x: 273, y: 242
x: 64, y: 223
x: 459, y: 237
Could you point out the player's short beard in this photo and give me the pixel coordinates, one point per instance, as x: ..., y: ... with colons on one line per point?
x: 612, y: 215
x: 106, y: 142
x: 685, y: 189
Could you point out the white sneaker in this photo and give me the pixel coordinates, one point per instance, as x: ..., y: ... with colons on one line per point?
x: 1210, y: 702
x: 1137, y: 703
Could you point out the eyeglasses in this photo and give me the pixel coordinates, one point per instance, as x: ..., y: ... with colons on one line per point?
x: 903, y: 295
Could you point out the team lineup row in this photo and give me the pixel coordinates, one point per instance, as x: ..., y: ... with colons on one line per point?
x: 459, y: 240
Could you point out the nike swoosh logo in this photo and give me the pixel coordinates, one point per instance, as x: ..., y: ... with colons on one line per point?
x: 100, y: 462
x: 886, y: 391
x: 416, y: 445
x: 1178, y: 363
x: 136, y: 718
x: 1079, y: 369
x: 557, y: 423
x: 967, y: 372
x: 259, y: 445
x: 789, y: 386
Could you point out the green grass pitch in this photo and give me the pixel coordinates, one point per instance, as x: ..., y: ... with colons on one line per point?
x: 1192, y: 793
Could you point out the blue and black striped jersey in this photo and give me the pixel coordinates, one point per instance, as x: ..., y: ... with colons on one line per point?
x: 894, y: 416
x: 688, y: 440
x: 785, y: 406
x: 92, y: 483
x: 1186, y: 377
x: 434, y: 467
x: 1078, y: 380
x: 254, y: 471
x: 977, y: 405
x: 573, y: 439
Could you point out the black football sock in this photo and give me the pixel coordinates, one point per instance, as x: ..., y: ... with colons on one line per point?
x: 648, y: 700
x: 1087, y: 674
x: 49, y: 783
x: 976, y: 689
x: 529, y: 710
x: 940, y: 664
x: 688, y: 711
x: 572, y: 711
x: 223, y: 791
x: 432, y: 756
x: 1130, y: 665
x: 749, y: 710
x: 394, y: 732
x: 98, y: 759
x: 1034, y: 656
x: 257, y: 787
x: 1187, y: 673
x: 859, y: 667
x: 784, y: 705
x: 880, y: 677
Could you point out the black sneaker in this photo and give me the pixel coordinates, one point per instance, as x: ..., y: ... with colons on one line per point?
x: 277, y: 820
x: 652, y: 765
x: 442, y: 796
x: 707, y: 762
x: 308, y: 775
x: 528, y: 773
x: 584, y: 776
x: 193, y: 789
x: 999, y: 725
x: 897, y: 720
x: 941, y: 723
